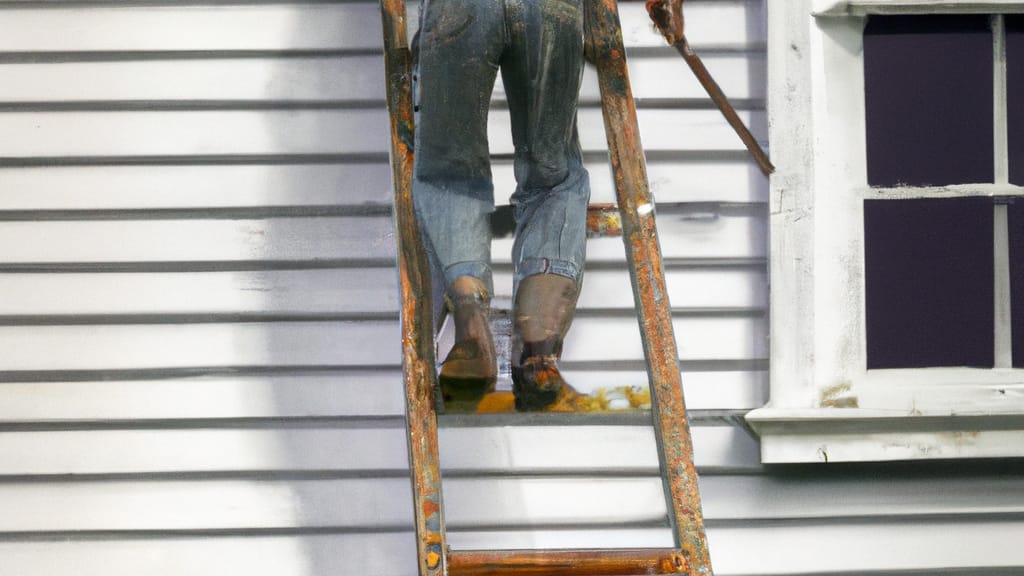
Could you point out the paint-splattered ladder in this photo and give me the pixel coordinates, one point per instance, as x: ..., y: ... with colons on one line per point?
x: 690, y: 556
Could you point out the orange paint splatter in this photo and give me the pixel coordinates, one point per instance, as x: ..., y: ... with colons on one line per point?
x: 431, y: 508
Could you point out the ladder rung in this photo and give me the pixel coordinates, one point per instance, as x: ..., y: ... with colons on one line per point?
x: 603, y: 221
x: 614, y: 562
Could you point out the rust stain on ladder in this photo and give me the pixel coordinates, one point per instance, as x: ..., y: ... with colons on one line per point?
x: 414, y: 282
x: 640, y: 236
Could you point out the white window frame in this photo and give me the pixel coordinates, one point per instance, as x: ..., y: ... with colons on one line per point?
x: 825, y: 405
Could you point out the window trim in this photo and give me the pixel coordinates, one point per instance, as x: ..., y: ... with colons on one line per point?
x: 825, y: 405
x: 827, y: 8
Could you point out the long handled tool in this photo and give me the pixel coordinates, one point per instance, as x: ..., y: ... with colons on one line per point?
x: 667, y: 15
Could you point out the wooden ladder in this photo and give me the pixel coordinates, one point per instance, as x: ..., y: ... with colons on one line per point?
x: 636, y: 206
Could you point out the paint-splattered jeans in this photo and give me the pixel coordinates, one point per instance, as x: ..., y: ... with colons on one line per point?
x: 538, y: 46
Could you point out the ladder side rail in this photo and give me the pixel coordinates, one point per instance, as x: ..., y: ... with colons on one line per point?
x: 416, y: 317
x: 675, y: 446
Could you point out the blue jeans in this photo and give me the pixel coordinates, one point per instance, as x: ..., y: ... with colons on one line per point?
x: 538, y: 46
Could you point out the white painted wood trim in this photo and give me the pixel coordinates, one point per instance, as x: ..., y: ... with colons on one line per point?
x: 821, y: 391
x: 1003, y: 295
x: 999, y: 104
x: 865, y: 7
x: 949, y: 191
x: 852, y: 435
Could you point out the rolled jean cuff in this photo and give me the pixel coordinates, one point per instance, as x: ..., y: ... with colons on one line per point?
x: 479, y: 270
x: 533, y: 266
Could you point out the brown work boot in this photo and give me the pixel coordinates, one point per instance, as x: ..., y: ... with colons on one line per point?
x: 544, y: 308
x: 470, y: 370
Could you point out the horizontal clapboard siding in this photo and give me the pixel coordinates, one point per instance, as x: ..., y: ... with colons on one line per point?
x: 293, y: 27
x: 347, y: 448
x: 217, y: 133
x: 219, y: 504
x: 321, y: 393
x: 327, y: 291
x: 975, y: 544
x: 200, y: 303
x: 827, y: 551
x: 60, y: 189
x: 198, y: 317
x: 305, y: 80
x: 313, y: 239
x: 130, y: 346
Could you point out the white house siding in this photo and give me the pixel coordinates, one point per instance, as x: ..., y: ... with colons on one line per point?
x: 198, y: 320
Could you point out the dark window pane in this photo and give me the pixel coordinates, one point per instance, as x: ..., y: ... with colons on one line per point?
x: 928, y: 100
x: 930, y: 282
x: 1015, y: 95
x: 1016, y: 224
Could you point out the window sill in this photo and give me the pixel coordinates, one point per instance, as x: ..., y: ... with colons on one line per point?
x: 933, y: 413
x: 863, y: 435
x: 864, y: 7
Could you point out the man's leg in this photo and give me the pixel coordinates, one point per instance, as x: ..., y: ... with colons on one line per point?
x: 460, y: 42
x: 542, y: 73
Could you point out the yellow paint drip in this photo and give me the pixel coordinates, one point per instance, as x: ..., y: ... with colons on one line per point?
x: 571, y: 401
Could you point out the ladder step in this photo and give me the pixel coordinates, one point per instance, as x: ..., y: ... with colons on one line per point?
x: 617, y: 562
x: 603, y: 221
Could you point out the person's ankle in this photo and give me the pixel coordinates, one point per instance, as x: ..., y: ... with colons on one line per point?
x: 468, y: 287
